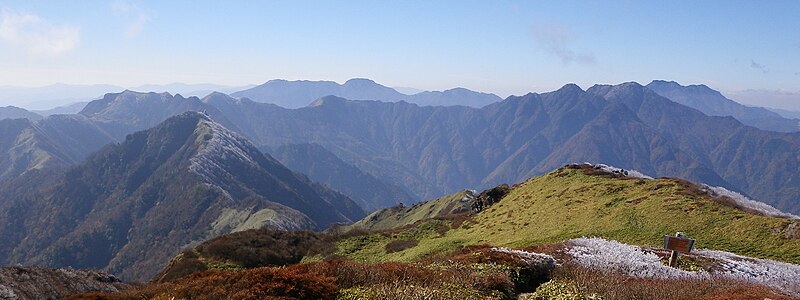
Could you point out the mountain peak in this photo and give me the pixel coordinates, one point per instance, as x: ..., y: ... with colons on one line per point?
x: 661, y: 85
x: 360, y: 82
x: 217, y: 97
x: 659, y: 82
x: 630, y: 85
x: 327, y: 101
x: 571, y: 88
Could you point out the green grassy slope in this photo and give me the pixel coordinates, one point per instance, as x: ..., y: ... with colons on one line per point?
x: 568, y: 203
x: 399, y: 216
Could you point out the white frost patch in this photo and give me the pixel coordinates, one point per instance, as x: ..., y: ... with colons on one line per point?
x: 615, y: 257
x: 612, y: 169
x: 771, y: 273
x: 223, y: 144
x: 628, y: 173
x: 7, y: 293
x: 530, y: 257
x: 744, y: 202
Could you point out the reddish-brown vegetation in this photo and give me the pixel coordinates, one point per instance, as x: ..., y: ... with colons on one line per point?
x: 312, y: 281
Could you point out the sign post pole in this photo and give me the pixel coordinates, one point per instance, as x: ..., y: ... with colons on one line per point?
x: 673, y: 258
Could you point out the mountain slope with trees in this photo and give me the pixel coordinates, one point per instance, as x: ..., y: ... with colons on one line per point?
x: 131, y: 206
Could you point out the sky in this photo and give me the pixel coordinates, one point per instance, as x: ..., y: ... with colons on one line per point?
x: 503, y: 47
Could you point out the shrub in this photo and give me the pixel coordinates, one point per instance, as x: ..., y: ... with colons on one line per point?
x: 400, y: 245
x: 260, y: 247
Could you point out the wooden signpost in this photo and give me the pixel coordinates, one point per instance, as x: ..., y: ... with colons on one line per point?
x: 678, y: 244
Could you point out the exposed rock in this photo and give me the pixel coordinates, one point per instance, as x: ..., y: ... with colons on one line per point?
x: 40, y: 283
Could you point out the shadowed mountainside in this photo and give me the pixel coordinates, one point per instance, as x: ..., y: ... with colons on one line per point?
x: 131, y: 206
x: 323, y: 166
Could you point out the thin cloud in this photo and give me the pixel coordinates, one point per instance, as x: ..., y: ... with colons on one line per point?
x: 135, y: 17
x: 556, y: 39
x: 760, y: 67
x: 36, y: 35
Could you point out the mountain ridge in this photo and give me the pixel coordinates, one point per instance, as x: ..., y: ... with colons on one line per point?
x: 299, y: 93
x: 432, y: 150
x: 132, y: 205
x: 713, y: 103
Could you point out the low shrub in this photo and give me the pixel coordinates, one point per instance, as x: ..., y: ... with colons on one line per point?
x: 400, y: 245
x: 260, y: 247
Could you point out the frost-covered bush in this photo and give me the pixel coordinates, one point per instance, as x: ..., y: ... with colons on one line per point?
x: 7, y: 293
x: 771, y: 273
x: 746, y: 203
x: 612, y: 169
x: 529, y: 257
x: 628, y: 173
x: 615, y: 257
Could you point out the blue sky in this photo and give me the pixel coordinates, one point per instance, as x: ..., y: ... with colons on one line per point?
x: 505, y: 47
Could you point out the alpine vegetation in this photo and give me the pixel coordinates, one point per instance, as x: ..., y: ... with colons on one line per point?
x: 716, y: 192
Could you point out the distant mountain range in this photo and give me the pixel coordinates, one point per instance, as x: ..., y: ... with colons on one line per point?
x: 67, y: 109
x: 713, y: 103
x: 789, y: 114
x: 131, y: 206
x: 13, y: 112
x: 296, y: 94
x: 48, y: 97
x: 431, y: 150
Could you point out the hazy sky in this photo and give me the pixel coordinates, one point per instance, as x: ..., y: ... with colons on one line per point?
x: 505, y: 47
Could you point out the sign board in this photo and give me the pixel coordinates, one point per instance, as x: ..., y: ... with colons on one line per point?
x: 680, y: 244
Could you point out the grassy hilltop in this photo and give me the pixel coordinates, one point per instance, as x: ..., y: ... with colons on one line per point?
x: 570, y: 203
